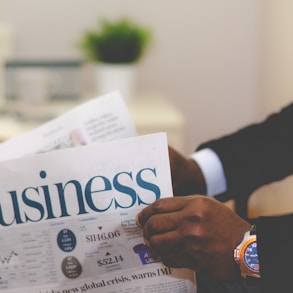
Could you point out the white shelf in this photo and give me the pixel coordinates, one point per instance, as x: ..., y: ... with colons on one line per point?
x: 150, y: 113
x: 155, y: 113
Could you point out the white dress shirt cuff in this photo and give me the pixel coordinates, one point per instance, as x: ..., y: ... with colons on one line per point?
x: 212, y: 169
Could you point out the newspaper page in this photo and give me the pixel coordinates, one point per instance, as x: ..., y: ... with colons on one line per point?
x: 100, y: 119
x: 67, y: 219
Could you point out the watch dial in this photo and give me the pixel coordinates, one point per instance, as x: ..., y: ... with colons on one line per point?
x: 251, y: 257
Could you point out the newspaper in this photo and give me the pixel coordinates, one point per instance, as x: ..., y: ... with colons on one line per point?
x: 101, y: 119
x: 67, y: 217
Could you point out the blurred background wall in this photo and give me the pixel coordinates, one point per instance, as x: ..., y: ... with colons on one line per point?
x: 222, y: 63
x: 205, y: 54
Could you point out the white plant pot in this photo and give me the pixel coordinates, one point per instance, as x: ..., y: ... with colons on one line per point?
x: 116, y: 77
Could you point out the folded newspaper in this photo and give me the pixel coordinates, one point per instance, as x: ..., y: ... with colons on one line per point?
x: 70, y: 191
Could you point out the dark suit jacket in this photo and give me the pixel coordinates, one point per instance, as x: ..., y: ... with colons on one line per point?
x: 258, y: 154
x: 253, y: 156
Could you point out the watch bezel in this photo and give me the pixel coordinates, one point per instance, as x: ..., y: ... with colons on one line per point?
x: 248, y: 266
x: 240, y: 256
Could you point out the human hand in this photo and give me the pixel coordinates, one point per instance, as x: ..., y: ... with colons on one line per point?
x: 195, y: 232
x: 186, y: 175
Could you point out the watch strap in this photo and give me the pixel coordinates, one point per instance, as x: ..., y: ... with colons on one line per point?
x: 252, y: 230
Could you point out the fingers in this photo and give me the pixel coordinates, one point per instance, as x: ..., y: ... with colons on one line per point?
x: 172, y: 252
x: 137, y: 221
x: 165, y: 244
x: 179, y: 260
x: 161, y: 224
x: 161, y: 206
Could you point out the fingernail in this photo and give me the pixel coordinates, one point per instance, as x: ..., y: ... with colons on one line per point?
x: 137, y: 222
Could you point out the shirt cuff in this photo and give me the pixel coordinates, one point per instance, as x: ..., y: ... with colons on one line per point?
x: 212, y: 169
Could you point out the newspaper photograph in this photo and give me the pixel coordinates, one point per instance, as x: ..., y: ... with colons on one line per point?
x: 100, y: 119
x: 68, y: 205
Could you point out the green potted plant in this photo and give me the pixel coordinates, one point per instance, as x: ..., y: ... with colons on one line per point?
x: 116, y: 47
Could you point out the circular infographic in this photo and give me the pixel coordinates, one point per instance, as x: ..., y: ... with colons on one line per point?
x: 71, y: 267
x: 66, y: 240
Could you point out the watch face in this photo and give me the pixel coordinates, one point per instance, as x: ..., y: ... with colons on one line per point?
x: 251, y: 257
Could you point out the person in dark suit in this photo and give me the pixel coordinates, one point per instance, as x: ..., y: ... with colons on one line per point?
x: 228, y: 252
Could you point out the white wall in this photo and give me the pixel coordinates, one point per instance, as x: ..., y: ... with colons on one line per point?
x: 277, y: 57
x: 204, y: 57
x: 223, y: 63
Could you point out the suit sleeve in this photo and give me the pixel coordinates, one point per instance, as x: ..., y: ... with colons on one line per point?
x: 258, y: 154
x: 275, y: 242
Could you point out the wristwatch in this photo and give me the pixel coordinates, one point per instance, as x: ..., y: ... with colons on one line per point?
x: 245, y: 254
